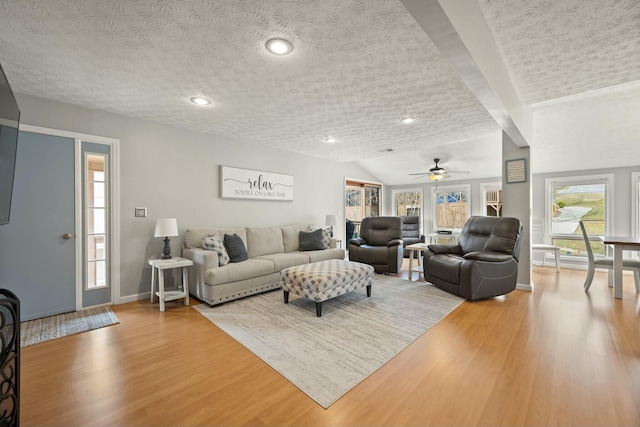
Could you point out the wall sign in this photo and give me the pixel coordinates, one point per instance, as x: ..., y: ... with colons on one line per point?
x: 238, y: 183
x: 516, y: 170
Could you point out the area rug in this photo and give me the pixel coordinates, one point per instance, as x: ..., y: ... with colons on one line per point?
x: 48, y: 328
x: 327, y: 356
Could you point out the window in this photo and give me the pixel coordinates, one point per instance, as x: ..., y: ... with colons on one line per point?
x: 572, y: 199
x: 361, y: 200
x: 491, y: 199
x: 407, y: 202
x: 96, y: 221
x: 451, y: 206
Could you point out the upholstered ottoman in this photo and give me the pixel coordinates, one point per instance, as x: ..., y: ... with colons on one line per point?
x: 320, y: 281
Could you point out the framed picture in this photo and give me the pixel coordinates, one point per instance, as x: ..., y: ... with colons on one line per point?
x: 236, y: 183
x: 516, y: 170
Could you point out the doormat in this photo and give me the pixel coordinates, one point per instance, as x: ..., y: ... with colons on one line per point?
x: 49, y: 328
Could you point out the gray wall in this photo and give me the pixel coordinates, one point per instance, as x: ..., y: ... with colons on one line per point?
x: 516, y: 203
x: 175, y: 173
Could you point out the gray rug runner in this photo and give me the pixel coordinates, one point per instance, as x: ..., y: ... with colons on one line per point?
x: 327, y: 356
x: 48, y: 328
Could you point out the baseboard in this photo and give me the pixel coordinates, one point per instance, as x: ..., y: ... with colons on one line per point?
x: 136, y: 297
x: 525, y: 287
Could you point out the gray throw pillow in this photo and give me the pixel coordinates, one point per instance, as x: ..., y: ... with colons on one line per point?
x: 235, y: 248
x: 311, y: 241
x: 326, y: 236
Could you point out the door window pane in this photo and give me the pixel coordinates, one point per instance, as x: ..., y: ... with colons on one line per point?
x: 96, y: 247
x: 95, y: 194
x: 407, y: 203
x: 494, y: 203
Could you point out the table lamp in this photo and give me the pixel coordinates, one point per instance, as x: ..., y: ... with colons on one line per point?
x: 331, y: 220
x: 166, y: 227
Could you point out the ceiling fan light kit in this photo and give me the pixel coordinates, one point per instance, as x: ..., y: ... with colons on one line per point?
x: 437, y: 173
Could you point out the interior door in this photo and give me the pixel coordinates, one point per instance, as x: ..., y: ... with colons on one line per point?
x: 37, y: 247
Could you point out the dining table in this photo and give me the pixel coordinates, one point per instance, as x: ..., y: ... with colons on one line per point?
x: 620, y: 244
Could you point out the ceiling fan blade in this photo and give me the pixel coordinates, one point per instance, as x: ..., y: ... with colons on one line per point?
x: 421, y: 173
x: 448, y: 171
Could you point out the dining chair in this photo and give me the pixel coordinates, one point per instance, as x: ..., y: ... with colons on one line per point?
x: 607, y: 262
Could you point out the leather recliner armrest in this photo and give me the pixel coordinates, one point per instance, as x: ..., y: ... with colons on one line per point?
x: 488, y: 256
x: 395, y: 242
x: 358, y: 241
x: 446, y: 249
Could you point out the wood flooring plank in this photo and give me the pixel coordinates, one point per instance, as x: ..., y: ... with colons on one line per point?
x: 554, y: 356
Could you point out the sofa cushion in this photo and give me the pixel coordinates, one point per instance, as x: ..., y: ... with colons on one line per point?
x: 282, y: 261
x: 213, y: 243
x: 234, y: 272
x: 193, y: 236
x: 325, y: 254
x: 235, y: 247
x: 311, y: 241
x: 291, y: 236
x: 264, y: 241
x: 446, y: 267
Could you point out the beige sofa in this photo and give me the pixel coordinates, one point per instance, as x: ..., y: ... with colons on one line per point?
x: 270, y: 250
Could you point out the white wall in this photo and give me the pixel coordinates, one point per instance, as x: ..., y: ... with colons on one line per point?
x: 175, y: 173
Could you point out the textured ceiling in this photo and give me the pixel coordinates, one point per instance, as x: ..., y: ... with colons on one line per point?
x: 556, y: 48
x: 357, y: 68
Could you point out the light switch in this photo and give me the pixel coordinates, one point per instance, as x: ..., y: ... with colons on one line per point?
x: 141, y: 212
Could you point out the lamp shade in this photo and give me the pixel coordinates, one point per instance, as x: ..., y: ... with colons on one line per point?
x: 166, y: 227
x: 331, y: 220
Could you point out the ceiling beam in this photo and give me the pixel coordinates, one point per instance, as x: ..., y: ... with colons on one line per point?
x: 458, y: 29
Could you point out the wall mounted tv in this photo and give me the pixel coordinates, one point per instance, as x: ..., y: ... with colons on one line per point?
x: 9, y: 120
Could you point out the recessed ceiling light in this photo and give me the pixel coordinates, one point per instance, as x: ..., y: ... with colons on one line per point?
x: 330, y: 140
x: 278, y: 46
x: 408, y: 120
x: 200, y: 100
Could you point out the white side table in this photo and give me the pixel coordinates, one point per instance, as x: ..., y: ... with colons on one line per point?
x: 413, y: 249
x: 548, y: 248
x: 170, y: 295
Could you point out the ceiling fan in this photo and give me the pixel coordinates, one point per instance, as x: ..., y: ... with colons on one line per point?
x: 437, y: 173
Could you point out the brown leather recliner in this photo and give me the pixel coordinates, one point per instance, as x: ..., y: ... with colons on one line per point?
x: 483, y: 264
x: 411, y: 232
x: 379, y: 244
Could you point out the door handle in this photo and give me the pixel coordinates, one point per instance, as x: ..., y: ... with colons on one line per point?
x: 67, y: 236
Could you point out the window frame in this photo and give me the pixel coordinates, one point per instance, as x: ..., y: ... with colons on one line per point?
x: 486, y: 187
x: 420, y: 190
x: 447, y: 188
x: 107, y: 230
x: 606, y: 179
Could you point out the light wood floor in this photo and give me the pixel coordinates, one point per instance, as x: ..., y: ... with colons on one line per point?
x: 556, y: 356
